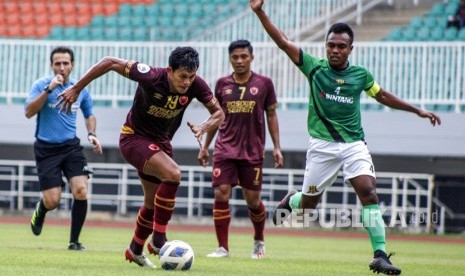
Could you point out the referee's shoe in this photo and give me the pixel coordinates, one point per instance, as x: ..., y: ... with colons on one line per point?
x: 37, y: 220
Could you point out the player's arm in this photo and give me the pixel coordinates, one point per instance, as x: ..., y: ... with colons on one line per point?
x: 274, y: 32
x: 35, y: 105
x: 211, y: 124
x: 91, y: 125
x: 69, y: 96
x: 273, y: 128
x: 389, y: 99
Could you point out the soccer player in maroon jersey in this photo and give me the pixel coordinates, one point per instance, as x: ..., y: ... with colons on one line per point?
x: 245, y: 97
x: 161, y: 98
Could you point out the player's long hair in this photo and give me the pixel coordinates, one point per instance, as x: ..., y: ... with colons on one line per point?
x: 184, y: 57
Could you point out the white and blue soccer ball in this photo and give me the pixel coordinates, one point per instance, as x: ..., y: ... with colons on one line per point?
x: 176, y: 255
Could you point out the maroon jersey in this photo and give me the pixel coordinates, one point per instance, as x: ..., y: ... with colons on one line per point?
x: 156, y: 112
x: 242, y: 134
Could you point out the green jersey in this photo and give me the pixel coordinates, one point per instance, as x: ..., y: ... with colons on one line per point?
x: 334, y: 102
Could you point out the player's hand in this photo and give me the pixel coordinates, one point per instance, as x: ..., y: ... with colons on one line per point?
x: 198, y: 133
x: 278, y: 158
x: 203, y: 157
x: 256, y: 5
x: 66, y: 99
x: 96, y: 143
x: 433, y: 118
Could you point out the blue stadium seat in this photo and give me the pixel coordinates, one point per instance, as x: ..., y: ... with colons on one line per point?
x: 437, y: 34
x: 83, y: 33
x: 437, y: 9
x: 111, y: 33
x: 461, y: 35
x: 423, y: 34
x: 96, y: 33
x: 451, y: 34
x: 69, y: 33
x: 56, y: 33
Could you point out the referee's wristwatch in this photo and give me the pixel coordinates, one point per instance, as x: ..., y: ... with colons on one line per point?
x: 48, y: 90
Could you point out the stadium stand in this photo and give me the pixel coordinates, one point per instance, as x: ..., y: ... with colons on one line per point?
x: 431, y: 26
x: 164, y: 18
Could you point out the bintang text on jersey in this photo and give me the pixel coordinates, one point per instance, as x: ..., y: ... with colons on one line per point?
x: 240, y: 106
x: 337, y: 98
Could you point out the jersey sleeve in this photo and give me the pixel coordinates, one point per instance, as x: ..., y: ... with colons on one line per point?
x: 86, y: 104
x: 371, y: 87
x: 204, y: 95
x: 271, y: 102
x: 35, y: 91
x: 306, y: 62
x: 140, y: 72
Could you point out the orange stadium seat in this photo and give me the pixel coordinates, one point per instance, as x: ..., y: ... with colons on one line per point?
x: 11, y: 18
x: 3, y: 31
x: 27, y: 18
x: 83, y: 19
x: 42, y: 31
x: 68, y: 7
x: 97, y: 8
x: 40, y: 7
x: 53, y: 7
x: 69, y: 19
x: 28, y: 31
x: 25, y: 7
x: 55, y: 19
x: 10, y: 7
x: 110, y: 8
x: 41, y: 19
x: 14, y: 31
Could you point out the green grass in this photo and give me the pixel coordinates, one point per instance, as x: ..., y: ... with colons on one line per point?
x: 21, y: 253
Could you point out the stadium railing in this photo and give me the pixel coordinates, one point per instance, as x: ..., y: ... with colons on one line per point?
x: 427, y: 74
x: 406, y: 199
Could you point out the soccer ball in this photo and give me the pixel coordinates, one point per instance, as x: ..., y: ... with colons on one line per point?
x: 176, y: 255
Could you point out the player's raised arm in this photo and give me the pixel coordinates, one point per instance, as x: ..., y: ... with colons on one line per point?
x: 106, y: 64
x: 274, y: 32
x: 388, y: 99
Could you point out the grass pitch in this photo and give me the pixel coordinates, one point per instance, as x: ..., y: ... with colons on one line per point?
x: 22, y: 253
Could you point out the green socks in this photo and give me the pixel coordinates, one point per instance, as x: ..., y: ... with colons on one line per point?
x: 373, y: 222
x: 294, y: 201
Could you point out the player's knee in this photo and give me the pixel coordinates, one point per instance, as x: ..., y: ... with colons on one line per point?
x: 173, y: 175
x: 80, y: 193
x: 51, y: 202
x: 221, y: 194
x: 368, y: 197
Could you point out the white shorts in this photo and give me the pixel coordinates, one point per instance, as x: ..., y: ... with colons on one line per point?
x: 325, y: 159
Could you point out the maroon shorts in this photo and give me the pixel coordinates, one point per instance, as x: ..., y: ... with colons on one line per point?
x: 245, y: 173
x: 137, y: 150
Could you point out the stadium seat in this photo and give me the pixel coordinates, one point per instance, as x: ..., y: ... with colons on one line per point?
x: 450, y: 34
x: 56, y: 33
x: 408, y: 34
x: 430, y: 21
x: 125, y: 34
x: 461, y: 35
x: 437, y: 9
x: 82, y: 33
x: 96, y: 33
x: 97, y: 21
x: 111, y: 33
x: 140, y: 34
x: 110, y: 21
x: 437, y: 34
x: 416, y: 22
x: 139, y: 10
x: 69, y: 33
x: 423, y: 34
x: 125, y: 9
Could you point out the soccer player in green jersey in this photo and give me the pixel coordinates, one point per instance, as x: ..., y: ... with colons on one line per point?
x: 336, y: 134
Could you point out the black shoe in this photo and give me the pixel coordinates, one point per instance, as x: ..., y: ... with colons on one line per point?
x: 283, y: 210
x: 37, y: 220
x: 381, y: 263
x: 76, y: 246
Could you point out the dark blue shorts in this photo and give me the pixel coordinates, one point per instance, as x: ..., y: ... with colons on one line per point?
x: 54, y: 160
